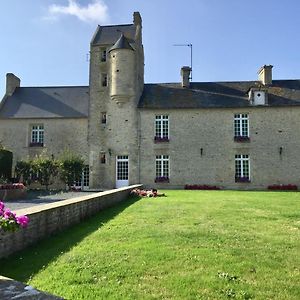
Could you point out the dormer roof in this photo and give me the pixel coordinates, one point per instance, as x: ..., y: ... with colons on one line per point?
x: 121, y: 43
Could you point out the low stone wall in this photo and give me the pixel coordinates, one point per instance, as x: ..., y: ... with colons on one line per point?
x: 14, y: 194
x: 49, y: 218
x: 11, y: 289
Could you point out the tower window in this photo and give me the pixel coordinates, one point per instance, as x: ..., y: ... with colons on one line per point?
x: 104, y: 79
x: 103, y: 55
x: 103, y: 158
x: 103, y: 117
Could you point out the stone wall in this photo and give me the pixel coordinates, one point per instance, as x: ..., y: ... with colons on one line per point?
x: 49, y: 218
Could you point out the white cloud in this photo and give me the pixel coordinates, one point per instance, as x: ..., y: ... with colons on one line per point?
x: 95, y: 12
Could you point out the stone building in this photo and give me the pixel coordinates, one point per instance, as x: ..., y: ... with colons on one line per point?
x: 237, y: 135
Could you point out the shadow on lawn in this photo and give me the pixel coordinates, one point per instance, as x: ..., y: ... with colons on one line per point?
x: 24, y: 264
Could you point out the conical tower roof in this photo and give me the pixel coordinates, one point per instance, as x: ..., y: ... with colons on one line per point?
x: 121, y: 43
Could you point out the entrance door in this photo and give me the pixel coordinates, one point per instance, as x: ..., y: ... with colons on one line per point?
x: 122, y: 163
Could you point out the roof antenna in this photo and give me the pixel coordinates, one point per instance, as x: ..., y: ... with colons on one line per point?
x: 191, y: 54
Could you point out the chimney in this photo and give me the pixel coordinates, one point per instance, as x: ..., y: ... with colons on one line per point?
x: 137, y: 19
x: 185, y: 76
x: 265, y: 74
x: 12, y: 82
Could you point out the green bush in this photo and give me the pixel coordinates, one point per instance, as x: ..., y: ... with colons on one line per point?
x: 23, y: 171
x: 71, y: 166
x: 6, y: 158
x: 45, y: 169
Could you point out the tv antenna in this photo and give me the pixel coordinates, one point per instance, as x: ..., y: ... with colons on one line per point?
x: 191, y: 53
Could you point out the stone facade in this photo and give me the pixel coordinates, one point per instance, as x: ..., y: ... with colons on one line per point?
x: 59, y: 135
x: 119, y: 134
x: 202, y: 148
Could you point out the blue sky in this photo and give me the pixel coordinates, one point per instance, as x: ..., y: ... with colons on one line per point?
x: 45, y: 42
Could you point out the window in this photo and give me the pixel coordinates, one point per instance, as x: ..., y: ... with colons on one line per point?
x: 162, y: 168
x: 104, y: 79
x: 103, y: 117
x: 161, y: 128
x: 84, y: 180
x: 242, y: 168
x: 241, y: 127
x: 122, y: 167
x: 103, y: 55
x: 37, y: 136
x: 103, y: 158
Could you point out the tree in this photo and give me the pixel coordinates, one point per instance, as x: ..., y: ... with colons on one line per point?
x: 71, y: 166
x: 46, y: 169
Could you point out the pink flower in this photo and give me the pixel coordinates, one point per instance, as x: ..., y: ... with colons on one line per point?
x: 9, y: 214
x: 23, y: 221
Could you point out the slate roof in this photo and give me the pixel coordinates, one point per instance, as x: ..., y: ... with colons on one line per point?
x: 217, y: 94
x: 46, y: 102
x: 108, y: 35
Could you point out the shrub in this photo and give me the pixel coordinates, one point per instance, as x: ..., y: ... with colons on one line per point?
x: 45, y: 169
x: 71, y: 166
x: 6, y: 158
x: 23, y: 171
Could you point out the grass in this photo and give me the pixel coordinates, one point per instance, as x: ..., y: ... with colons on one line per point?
x: 188, y: 245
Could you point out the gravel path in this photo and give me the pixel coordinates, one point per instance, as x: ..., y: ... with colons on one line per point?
x: 38, y: 198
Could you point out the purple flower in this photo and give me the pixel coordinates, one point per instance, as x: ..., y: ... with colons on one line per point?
x: 23, y: 221
x: 1, y: 208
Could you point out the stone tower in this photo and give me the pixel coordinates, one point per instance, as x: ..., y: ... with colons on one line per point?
x: 116, y: 84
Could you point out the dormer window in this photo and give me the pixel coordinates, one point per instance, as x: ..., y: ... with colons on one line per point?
x: 258, y: 97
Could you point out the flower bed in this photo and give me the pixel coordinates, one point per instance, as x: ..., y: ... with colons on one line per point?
x: 146, y: 193
x: 283, y: 187
x: 12, y: 191
x: 12, y: 186
x: 201, y: 187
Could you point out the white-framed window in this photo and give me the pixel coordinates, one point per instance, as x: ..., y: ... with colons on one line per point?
x: 103, y: 55
x: 37, y: 135
x: 162, y: 168
x: 122, y: 167
x: 241, y: 127
x: 84, y: 181
x: 104, y: 79
x: 162, y: 128
x: 242, y: 168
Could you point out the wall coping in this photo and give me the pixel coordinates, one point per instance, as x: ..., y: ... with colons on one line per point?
x: 39, y: 208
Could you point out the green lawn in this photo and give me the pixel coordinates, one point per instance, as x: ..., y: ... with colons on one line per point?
x: 188, y: 245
